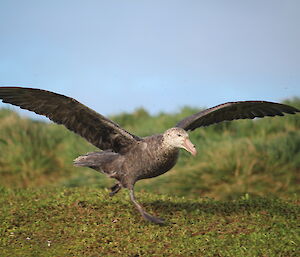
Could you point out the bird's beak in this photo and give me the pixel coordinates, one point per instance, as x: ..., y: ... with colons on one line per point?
x: 187, y: 145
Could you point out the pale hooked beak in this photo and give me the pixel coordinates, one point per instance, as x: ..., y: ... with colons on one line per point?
x: 187, y: 145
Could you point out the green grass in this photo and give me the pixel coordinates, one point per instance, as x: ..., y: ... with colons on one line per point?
x: 86, y: 222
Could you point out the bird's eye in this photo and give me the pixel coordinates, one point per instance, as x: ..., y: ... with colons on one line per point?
x: 179, y: 135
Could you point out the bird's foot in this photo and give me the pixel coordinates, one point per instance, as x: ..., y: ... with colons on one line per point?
x: 145, y: 214
x: 151, y: 218
x: 115, y: 189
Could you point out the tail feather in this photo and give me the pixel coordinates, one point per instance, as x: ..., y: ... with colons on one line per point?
x: 95, y: 159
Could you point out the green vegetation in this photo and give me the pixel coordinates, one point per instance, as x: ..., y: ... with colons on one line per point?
x: 258, y: 157
x: 85, y: 222
x: 238, y: 197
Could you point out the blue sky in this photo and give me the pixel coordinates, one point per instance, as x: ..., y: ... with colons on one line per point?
x: 119, y: 55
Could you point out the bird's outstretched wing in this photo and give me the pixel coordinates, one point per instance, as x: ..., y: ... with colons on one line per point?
x: 233, y: 111
x: 95, y: 128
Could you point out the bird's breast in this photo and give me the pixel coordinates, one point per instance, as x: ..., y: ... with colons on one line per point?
x: 151, y: 161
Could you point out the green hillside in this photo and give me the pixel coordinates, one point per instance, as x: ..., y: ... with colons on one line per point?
x: 258, y: 157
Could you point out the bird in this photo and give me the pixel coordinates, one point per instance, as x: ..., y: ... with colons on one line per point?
x: 126, y: 157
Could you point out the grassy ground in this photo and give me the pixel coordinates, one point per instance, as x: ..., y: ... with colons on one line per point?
x: 86, y: 222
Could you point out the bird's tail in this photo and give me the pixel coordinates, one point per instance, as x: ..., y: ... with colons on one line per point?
x: 97, y: 160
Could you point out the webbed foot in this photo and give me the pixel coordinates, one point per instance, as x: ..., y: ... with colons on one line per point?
x: 115, y: 189
x: 151, y: 218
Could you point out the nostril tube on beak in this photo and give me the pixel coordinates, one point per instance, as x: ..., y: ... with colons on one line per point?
x: 194, y: 152
x: 188, y: 145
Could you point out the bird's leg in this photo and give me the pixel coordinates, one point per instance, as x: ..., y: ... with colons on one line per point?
x: 145, y: 215
x: 115, y: 189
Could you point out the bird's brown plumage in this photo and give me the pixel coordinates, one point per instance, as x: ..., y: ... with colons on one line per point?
x: 95, y: 128
x: 233, y: 111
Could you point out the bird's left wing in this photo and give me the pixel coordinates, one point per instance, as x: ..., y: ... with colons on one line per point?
x: 233, y: 111
x: 95, y: 128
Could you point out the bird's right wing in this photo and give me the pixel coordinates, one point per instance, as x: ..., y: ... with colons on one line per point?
x: 233, y: 111
x: 95, y: 128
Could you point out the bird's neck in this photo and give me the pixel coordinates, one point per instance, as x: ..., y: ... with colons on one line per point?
x: 167, y: 146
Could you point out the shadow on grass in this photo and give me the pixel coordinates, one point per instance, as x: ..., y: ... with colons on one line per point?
x: 166, y: 208
x: 266, y: 206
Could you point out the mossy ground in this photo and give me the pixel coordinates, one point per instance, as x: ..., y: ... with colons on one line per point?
x: 86, y: 222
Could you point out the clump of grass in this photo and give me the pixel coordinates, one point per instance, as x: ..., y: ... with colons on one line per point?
x: 34, y: 153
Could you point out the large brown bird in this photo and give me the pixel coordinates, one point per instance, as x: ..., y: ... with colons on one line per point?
x: 124, y: 156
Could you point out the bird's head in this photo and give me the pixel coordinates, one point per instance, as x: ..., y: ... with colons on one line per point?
x: 178, y: 137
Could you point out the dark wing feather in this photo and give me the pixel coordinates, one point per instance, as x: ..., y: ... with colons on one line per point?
x: 233, y: 111
x: 95, y: 128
